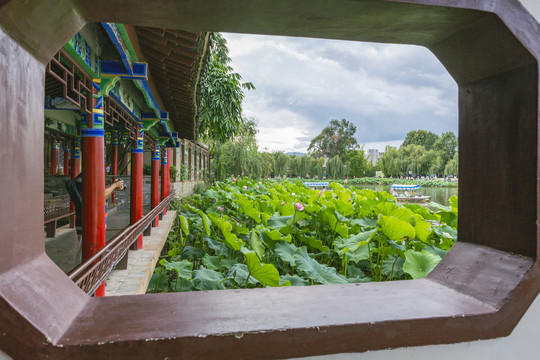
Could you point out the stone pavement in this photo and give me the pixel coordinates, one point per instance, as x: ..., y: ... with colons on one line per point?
x: 141, y: 263
x: 62, y: 250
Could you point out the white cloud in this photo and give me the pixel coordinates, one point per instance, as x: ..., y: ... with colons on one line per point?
x: 301, y: 84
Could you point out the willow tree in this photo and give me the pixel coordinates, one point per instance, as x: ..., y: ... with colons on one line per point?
x: 223, y: 91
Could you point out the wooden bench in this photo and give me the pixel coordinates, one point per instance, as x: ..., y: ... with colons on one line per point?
x: 57, y: 208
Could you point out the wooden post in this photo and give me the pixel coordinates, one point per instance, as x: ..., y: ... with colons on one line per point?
x: 155, y: 183
x: 54, y: 157
x: 136, y: 208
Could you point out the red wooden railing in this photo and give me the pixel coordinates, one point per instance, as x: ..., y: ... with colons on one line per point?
x: 92, y: 272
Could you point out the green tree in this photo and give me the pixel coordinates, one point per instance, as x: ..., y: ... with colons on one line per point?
x: 267, y: 164
x: 447, y: 145
x: 452, y: 166
x: 357, y: 164
x: 281, y: 163
x: 421, y: 137
x: 222, y: 94
x: 335, y: 168
x: 335, y: 139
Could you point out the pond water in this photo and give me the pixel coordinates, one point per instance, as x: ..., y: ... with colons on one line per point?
x: 438, y: 194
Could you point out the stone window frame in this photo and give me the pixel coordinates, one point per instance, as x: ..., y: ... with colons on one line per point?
x: 480, y: 290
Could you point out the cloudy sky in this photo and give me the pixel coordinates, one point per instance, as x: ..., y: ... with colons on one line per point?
x: 302, y: 84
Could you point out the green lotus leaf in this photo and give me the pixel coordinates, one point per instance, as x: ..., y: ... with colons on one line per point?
x: 249, y: 209
x: 256, y: 243
x: 158, y: 282
x: 360, y: 253
x: 391, y: 209
x: 342, y: 245
x: 287, y: 209
x: 294, y: 280
x: 454, y: 204
x: 435, y: 205
x: 184, y: 224
x: 286, y: 251
x: 446, y: 231
x: 424, y: 211
x: 396, y: 229
x: 435, y: 250
x: 393, y: 268
x: 419, y: 263
x: 422, y: 228
x: 240, y: 273
x: 277, y: 236
x: 365, y: 222
x: 277, y: 222
x: 216, y: 245
x: 314, y: 243
x: 217, y: 263
x: 267, y: 274
x: 206, y: 279
x: 319, y: 273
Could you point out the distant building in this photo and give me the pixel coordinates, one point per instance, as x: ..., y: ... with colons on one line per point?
x: 373, y: 156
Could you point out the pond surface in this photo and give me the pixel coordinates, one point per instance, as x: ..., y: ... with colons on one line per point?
x: 438, y: 194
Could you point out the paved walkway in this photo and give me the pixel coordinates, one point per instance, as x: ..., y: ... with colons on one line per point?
x: 62, y: 249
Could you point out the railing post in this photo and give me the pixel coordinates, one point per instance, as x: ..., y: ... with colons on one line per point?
x: 136, y: 208
x: 93, y: 229
x: 155, y: 183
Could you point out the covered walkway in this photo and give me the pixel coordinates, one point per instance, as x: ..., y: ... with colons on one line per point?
x: 62, y: 250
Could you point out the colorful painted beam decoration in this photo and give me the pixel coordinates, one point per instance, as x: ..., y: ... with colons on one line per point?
x: 85, y: 56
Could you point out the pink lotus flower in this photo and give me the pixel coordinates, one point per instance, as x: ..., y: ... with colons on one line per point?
x: 312, y: 188
x: 283, y: 203
x: 233, y: 179
x: 244, y: 187
x: 346, y: 181
x: 299, y: 207
x: 354, y: 192
x: 220, y: 208
x: 242, y: 173
x: 260, y: 183
x: 293, y: 194
x: 257, y: 187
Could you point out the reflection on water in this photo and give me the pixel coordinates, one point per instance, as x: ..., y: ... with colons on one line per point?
x: 438, y: 194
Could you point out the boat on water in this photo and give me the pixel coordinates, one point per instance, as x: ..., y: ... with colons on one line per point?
x: 317, y: 184
x: 408, y: 193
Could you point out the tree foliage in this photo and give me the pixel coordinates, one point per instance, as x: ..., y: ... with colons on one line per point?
x: 424, y: 138
x: 221, y: 112
x: 335, y: 139
x: 335, y: 168
x: 415, y: 159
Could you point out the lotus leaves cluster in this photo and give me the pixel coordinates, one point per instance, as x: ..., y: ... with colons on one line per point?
x: 245, y: 234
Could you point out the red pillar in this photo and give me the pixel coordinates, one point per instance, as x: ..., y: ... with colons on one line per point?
x: 164, y: 171
x: 93, y: 230
x: 66, y: 161
x: 75, y: 169
x: 114, y: 167
x: 155, y: 182
x: 54, y: 157
x: 136, y: 208
x: 92, y: 145
x: 169, y: 161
